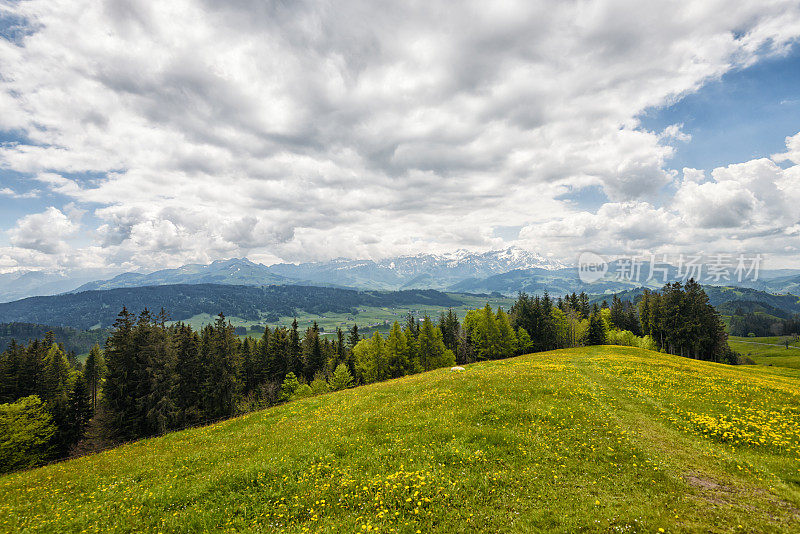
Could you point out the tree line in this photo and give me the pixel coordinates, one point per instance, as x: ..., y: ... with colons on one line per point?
x: 153, y: 377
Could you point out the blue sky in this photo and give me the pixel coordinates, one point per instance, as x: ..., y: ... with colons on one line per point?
x: 746, y: 114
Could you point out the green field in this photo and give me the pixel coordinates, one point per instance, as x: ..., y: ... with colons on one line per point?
x: 772, y: 340
x: 767, y: 350
x: 593, y: 439
x: 367, y: 318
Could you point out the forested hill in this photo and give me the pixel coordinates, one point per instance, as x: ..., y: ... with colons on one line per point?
x: 727, y: 299
x: 91, y: 309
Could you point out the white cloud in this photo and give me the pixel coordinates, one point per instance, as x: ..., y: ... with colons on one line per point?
x: 744, y: 207
x: 309, y: 130
x: 8, y: 192
x: 43, y: 232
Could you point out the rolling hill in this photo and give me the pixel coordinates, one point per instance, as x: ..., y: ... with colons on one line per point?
x: 90, y: 309
x: 594, y: 439
x: 236, y: 271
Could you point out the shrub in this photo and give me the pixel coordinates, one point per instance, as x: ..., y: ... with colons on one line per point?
x: 302, y: 392
x: 319, y: 386
x: 289, y: 386
x: 26, y: 431
x: 341, y: 379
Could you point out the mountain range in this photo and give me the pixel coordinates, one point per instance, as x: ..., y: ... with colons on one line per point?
x: 506, y: 271
x: 421, y: 271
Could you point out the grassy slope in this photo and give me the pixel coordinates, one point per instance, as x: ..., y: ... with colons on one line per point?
x: 586, y: 439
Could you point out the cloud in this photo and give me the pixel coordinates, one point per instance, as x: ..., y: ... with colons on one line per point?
x: 43, y: 232
x: 305, y: 130
x: 8, y: 192
x: 744, y: 207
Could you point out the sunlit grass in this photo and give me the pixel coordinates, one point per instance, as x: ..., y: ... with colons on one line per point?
x: 768, y: 354
x: 598, y: 439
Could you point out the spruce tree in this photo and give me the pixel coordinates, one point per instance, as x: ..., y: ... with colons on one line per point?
x: 191, y: 376
x: 397, y: 353
x: 432, y: 352
x: 93, y: 372
x: 353, y: 338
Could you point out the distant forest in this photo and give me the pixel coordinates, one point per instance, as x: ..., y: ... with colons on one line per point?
x: 152, y: 377
x: 91, y: 309
x: 72, y: 340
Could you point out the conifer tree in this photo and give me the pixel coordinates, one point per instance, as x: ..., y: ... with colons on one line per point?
x: 191, y: 376
x: 118, y: 388
x: 93, y: 371
x: 353, y: 338
x: 507, y: 337
x: 221, y: 386
x: 597, y: 330
x: 432, y: 352
x: 341, y: 379
x: 397, y: 357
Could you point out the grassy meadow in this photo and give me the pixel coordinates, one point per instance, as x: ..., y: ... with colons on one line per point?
x: 591, y: 439
x: 768, y: 351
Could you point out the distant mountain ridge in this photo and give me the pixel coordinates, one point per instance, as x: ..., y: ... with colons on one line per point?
x: 434, y: 271
x: 19, y: 285
x: 421, y: 271
x: 236, y: 271
x: 506, y: 271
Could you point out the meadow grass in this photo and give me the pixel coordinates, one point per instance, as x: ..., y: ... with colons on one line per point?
x: 772, y: 340
x: 591, y: 439
x: 768, y: 354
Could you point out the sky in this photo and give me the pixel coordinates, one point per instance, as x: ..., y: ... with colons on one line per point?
x: 139, y: 134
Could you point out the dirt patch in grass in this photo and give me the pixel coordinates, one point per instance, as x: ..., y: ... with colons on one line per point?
x: 712, y: 490
x: 706, y: 483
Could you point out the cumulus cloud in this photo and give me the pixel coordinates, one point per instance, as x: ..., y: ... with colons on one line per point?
x: 745, y: 207
x: 43, y: 232
x: 308, y: 130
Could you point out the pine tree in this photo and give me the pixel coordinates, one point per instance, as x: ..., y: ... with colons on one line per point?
x: 353, y: 338
x: 160, y: 411
x: 507, y: 337
x: 278, y: 355
x: 432, y: 352
x: 289, y: 386
x: 370, y: 358
x: 450, y: 327
x: 191, y: 376
x: 486, y: 336
x: 397, y: 353
x: 93, y: 371
x: 313, y: 356
x: 80, y: 410
x: 295, y: 363
x: 597, y: 330
x: 221, y: 386
x: 341, y: 379
x: 118, y: 388
x: 524, y: 341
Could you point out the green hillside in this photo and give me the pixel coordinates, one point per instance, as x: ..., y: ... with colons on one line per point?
x: 594, y: 439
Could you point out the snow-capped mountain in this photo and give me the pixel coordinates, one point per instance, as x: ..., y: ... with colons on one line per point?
x: 420, y: 271
x: 434, y: 271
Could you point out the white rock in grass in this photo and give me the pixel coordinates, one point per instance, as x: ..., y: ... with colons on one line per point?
x: 457, y: 368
